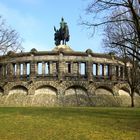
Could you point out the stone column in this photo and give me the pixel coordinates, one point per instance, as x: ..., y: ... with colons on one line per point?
x: 105, y: 71
x: 17, y: 70
x: 24, y: 69
x: 89, y: 69
x: 102, y: 70
x: 50, y: 68
x: 54, y: 68
x: 61, y: 67
x: 66, y: 68
x: 71, y: 67
x: 48, y: 63
x: 61, y: 70
x: 43, y: 68
x: 78, y: 68
x: 9, y: 71
x: 32, y: 70
x: 108, y: 71
x: 74, y: 68
x: 117, y: 72
x: 97, y: 69
x: 14, y: 70
x: 36, y: 68
x: 112, y: 72
x: 123, y: 73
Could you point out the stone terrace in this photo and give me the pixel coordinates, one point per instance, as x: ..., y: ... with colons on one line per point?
x: 62, y: 77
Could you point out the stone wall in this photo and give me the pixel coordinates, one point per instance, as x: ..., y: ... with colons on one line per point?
x: 70, y: 93
x: 63, y: 78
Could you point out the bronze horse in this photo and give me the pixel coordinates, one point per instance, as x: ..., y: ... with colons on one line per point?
x: 62, y: 34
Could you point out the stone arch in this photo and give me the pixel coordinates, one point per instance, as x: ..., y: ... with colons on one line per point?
x: 121, y: 86
x: 104, y: 96
x: 45, y: 95
x: 46, y: 89
x: 125, y: 98
x: 77, y: 86
x: 77, y: 95
x: 66, y: 85
x: 124, y: 91
x: 11, y: 85
x: 104, y: 90
x: 18, y: 89
x: 36, y: 85
x: 48, y: 83
x: 16, y: 96
x: 124, y: 95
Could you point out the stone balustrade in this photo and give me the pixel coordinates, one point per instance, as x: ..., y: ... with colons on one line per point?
x: 61, y: 66
x: 63, y: 77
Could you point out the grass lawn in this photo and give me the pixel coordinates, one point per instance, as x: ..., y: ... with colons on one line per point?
x: 40, y: 123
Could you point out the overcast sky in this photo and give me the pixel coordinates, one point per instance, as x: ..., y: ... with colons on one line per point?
x: 35, y: 19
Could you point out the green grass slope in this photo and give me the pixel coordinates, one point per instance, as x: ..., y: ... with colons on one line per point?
x: 38, y: 123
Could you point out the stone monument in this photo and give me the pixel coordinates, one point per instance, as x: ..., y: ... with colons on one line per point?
x: 61, y: 34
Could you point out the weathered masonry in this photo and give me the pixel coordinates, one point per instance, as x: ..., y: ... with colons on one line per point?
x: 62, y: 77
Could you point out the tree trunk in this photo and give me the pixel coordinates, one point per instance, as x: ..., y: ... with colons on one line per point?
x: 132, y: 98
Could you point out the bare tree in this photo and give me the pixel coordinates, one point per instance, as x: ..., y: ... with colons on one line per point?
x: 121, y: 22
x: 121, y: 39
x: 121, y: 35
x: 9, y: 39
x: 106, y: 12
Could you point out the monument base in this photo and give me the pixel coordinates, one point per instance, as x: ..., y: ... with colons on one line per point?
x: 62, y: 47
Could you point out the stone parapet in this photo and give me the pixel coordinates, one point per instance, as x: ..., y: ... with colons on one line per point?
x: 63, y: 76
x: 62, y: 63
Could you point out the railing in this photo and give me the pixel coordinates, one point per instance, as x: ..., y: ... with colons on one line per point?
x: 26, y: 68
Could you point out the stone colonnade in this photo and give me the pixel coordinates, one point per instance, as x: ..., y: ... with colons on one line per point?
x: 61, y: 67
x: 60, y: 77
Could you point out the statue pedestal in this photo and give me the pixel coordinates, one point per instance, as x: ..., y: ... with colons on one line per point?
x: 63, y: 48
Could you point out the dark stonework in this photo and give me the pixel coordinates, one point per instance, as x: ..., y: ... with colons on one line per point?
x: 62, y: 34
x: 63, y: 77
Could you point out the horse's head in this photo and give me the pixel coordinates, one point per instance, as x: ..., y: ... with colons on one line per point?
x: 57, y: 36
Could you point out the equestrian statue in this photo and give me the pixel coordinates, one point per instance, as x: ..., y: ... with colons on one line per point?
x: 62, y: 34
